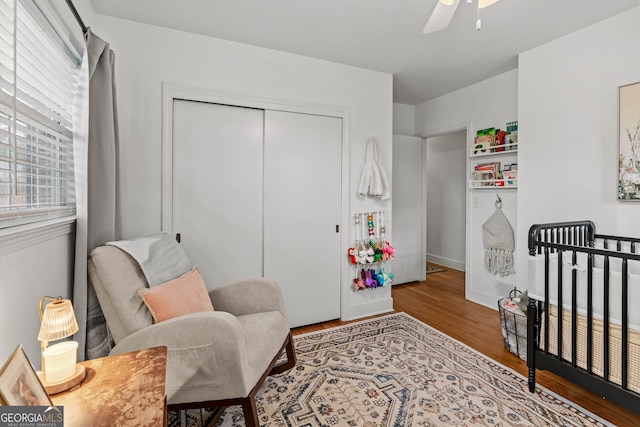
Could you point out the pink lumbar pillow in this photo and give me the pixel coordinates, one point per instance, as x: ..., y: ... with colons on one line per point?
x: 183, y: 295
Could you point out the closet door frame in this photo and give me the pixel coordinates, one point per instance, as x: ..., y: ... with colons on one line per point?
x: 172, y: 91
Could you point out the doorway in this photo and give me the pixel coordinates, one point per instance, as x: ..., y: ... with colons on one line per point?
x: 446, y: 188
x: 429, y: 203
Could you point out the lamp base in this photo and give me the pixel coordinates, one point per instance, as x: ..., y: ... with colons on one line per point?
x: 63, y: 385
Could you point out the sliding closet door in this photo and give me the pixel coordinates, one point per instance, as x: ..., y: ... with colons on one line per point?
x: 302, y: 208
x: 217, y: 188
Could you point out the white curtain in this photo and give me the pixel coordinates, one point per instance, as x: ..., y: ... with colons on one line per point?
x: 96, y: 150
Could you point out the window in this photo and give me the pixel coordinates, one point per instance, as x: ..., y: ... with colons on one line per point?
x: 37, y: 78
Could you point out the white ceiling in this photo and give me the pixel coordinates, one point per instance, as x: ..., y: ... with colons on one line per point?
x: 382, y: 35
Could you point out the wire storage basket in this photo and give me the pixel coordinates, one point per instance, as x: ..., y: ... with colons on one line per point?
x: 513, y: 323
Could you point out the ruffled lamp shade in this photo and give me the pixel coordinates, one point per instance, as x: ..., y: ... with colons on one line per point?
x: 58, y: 320
x: 59, y: 368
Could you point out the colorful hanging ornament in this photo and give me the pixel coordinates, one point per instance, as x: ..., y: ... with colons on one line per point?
x: 387, y: 277
x: 365, y: 255
x: 379, y: 277
x: 358, y: 284
x: 352, y: 253
x: 377, y: 255
x: 374, y: 279
x: 370, y: 248
x: 369, y: 281
x: 388, y: 252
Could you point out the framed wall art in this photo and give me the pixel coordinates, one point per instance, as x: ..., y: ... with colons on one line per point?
x: 19, y: 383
x: 629, y: 142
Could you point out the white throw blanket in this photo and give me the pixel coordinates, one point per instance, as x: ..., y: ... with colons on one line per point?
x: 161, y: 258
x: 373, y: 180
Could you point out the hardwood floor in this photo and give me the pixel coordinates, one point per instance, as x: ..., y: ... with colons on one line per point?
x: 439, y: 301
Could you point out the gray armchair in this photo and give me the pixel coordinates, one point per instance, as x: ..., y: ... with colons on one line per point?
x: 214, y: 359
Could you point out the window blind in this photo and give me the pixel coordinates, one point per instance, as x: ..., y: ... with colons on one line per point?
x: 37, y: 81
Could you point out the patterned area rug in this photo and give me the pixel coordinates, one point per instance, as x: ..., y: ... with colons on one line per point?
x: 191, y: 418
x: 397, y: 371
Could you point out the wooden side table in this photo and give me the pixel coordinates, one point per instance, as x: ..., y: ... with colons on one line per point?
x: 122, y: 390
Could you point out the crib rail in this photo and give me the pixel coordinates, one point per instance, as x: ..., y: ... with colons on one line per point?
x: 573, y: 238
x: 619, y: 242
x: 576, y: 233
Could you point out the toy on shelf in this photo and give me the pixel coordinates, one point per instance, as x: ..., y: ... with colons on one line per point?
x: 370, y: 251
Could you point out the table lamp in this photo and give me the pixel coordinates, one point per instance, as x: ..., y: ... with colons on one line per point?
x: 60, y: 371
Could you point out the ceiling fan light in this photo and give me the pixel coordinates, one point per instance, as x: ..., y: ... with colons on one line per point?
x: 485, y: 3
x: 447, y: 2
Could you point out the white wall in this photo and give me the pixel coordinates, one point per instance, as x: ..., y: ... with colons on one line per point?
x: 147, y: 56
x: 568, y: 111
x: 490, y: 103
x: 404, y: 119
x: 446, y: 199
x: 42, y: 269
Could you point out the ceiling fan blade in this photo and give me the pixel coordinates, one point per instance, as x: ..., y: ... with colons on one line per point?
x: 440, y: 18
x: 485, y: 3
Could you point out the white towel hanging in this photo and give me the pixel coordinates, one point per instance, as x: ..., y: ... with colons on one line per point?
x: 385, y: 189
x: 373, y: 179
x: 367, y: 171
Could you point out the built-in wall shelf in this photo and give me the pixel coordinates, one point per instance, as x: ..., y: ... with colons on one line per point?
x: 493, y: 169
x: 508, y: 149
x: 492, y: 184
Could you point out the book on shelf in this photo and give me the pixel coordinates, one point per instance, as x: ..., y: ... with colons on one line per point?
x: 511, y: 138
x: 482, y: 144
x: 510, y: 177
x: 486, y: 173
x: 487, y: 131
x: 500, y: 141
x: 484, y: 140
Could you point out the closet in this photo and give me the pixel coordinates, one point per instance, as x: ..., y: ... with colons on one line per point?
x: 257, y: 192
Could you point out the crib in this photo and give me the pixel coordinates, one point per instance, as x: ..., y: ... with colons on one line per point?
x: 583, y: 315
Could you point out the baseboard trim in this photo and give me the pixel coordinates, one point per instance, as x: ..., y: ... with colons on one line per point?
x: 482, y: 299
x: 447, y: 262
x: 368, y: 309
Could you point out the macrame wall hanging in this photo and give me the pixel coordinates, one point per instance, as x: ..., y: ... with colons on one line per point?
x: 499, y: 243
x: 373, y: 179
x: 370, y: 252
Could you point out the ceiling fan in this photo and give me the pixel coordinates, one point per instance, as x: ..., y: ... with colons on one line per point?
x: 443, y: 12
